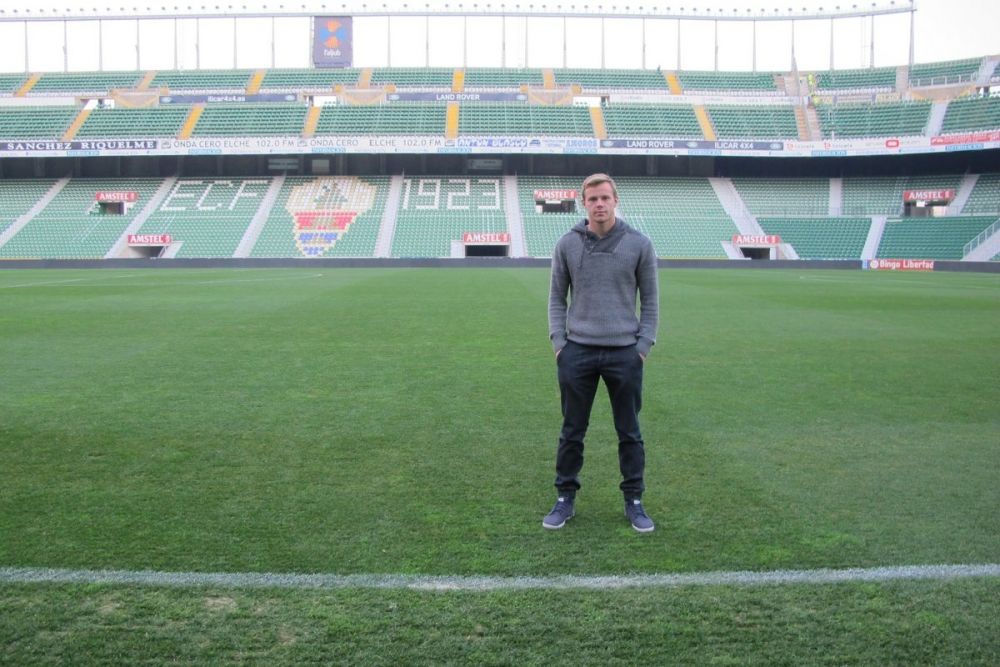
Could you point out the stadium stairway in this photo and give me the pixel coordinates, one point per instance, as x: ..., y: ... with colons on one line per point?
x: 259, y: 219
x: 935, y: 120
x: 734, y: 206
x: 836, y: 206
x: 874, y: 237
x: 18, y: 224
x: 984, y: 248
x: 986, y: 71
x: 964, y: 192
x: 387, y: 230
x: 120, y: 248
x: 515, y: 224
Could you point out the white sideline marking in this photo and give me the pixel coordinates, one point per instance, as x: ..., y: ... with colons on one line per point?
x: 22, y: 575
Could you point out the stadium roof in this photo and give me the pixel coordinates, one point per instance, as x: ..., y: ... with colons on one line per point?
x: 689, y: 10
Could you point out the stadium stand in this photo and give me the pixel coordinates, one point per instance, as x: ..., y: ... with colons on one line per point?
x: 203, y: 80
x: 639, y: 120
x: 728, y: 82
x: 972, y: 113
x: 324, y: 216
x: 251, y: 120
x: 753, y: 122
x: 821, y: 237
x: 414, y: 77
x: 682, y: 216
x: 496, y: 77
x: 784, y: 196
x: 873, y: 120
x: 883, y: 195
x: 18, y: 196
x: 85, y: 82
x: 951, y: 71
x: 395, y: 118
x: 518, y: 118
x: 207, y: 216
x: 10, y: 83
x: 165, y: 121
x: 931, y: 238
x: 309, y: 79
x: 877, y: 78
x: 71, y: 225
x: 434, y: 211
x: 611, y: 79
x: 36, y: 122
x: 985, y: 196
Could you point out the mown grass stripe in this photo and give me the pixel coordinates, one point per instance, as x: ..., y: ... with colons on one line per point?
x: 14, y: 575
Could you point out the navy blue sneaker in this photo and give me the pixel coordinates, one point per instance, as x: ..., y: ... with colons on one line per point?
x: 561, y: 513
x: 637, y: 516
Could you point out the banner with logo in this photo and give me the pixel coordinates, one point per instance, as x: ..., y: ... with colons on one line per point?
x: 333, y: 41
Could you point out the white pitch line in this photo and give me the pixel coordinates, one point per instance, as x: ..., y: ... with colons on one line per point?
x: 32, y: 575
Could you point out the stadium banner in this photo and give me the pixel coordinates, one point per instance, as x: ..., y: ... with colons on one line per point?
x: 486, y: 238
x: 457, y: 97
x: 756, y: 239
x: 228, y: 99
x: 929, y: 195
x: 149, y: 239
x: 970, y: 138
x: 666, y: 98
x: 899, y: 264
x: 116, y: 196
x: 486, y: 145
x: 554, y: 195
x: 333, y: 41
x: 735, y: 145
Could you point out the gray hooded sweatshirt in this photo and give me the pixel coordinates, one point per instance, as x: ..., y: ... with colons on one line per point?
x: 600, y: 278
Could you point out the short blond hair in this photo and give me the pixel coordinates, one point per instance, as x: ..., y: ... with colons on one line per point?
x: 597, y: 179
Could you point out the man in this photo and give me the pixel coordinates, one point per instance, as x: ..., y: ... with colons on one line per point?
x: 600, y: 265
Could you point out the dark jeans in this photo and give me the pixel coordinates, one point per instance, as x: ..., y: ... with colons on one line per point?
x: 580, y: 368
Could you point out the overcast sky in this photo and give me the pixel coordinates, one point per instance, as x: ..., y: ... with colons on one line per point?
x: 944, y: 30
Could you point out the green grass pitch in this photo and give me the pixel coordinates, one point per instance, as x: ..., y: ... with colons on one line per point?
x: 403, y: 421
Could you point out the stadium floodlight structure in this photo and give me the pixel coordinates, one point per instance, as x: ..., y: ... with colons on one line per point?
x: 680, y: 11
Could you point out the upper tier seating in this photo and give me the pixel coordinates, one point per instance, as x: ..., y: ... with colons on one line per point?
x: 952, y: 71
x: 209, y: 80
x: 661, y: 120
x: 35, y: 122
x: 309, y: 79
x: 85, y: 82
x: 414, y: 77
x: 165, y: 121
x: 324, y: 216
x: 854, y: 79
x: 251, y: 120
x: 519, y: 118
x: 754, y: 122
x: 611, y: 79
x: 753, y: 82
x: 497, y: 77
x: 842, y: 121
x: 972, y: 113
x: 11, y: 83
x: 394, y: 118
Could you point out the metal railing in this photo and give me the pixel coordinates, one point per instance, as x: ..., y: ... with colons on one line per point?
x: 979, y: 240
